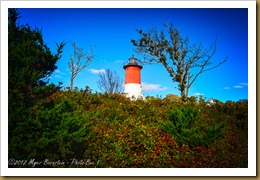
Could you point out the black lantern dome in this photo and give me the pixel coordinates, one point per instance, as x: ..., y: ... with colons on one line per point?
x: 132, y: 61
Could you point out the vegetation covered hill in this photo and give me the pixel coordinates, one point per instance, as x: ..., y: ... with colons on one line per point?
x: 82, y: 129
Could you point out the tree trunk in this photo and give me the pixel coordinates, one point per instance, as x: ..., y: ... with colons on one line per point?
x: 71, y: 83
x: 187, y: 92
x: 183, y: 96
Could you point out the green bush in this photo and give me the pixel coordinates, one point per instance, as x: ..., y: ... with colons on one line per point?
x: 187, y: 127
x: 109, y: 130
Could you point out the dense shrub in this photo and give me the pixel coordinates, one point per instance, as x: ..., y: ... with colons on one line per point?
x: 187, y: 127
x: 109, y: 130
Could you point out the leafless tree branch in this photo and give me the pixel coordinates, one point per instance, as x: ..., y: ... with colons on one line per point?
x: 80, y: 60
x: 110, y: 82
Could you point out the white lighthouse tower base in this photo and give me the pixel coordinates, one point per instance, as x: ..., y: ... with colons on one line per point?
x: 133, y: 90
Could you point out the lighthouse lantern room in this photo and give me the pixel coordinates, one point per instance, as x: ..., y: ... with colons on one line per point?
x: 133, y: 78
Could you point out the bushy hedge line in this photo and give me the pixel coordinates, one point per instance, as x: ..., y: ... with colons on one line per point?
x: 83, y: 129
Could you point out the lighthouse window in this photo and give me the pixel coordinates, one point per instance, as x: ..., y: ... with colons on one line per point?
x: 132, y: 61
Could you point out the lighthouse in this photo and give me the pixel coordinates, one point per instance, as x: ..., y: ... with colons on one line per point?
x: 133, y: 78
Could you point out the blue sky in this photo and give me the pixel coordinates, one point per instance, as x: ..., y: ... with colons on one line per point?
x: 111, y: 31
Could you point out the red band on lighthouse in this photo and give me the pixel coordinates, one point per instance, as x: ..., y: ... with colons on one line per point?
x: 132, y: 75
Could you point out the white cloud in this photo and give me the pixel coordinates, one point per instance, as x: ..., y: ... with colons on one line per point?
x: 198, y: 94
x: 57, y: 76
x: 237, y: 86
x: 119, y: 61
x: 97, y: 71
x: 152, y: 87
x: 59, y: 72
x: 243, y: 84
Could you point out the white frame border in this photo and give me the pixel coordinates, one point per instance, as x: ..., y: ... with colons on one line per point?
x: 250, y: 171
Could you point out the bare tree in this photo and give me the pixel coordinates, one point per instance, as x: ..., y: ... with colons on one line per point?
x: 110, y: 82
x: 79, y: 61
x: 176, y: 54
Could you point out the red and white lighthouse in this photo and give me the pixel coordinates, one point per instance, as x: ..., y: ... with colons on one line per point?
x: 133, y: 78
